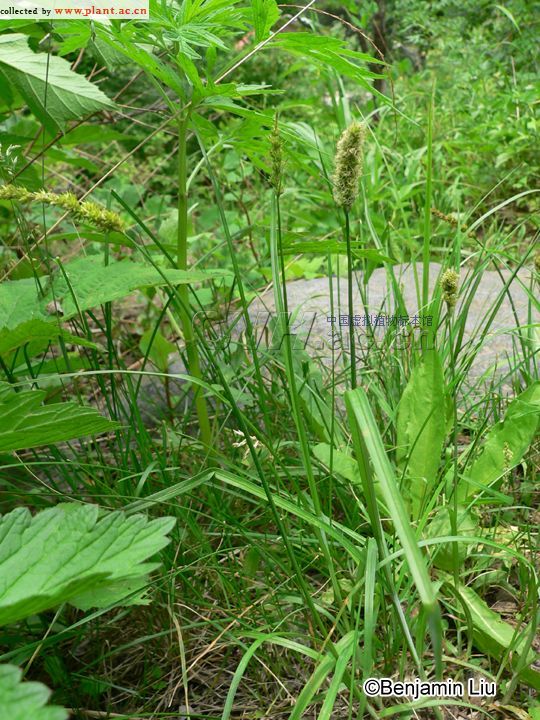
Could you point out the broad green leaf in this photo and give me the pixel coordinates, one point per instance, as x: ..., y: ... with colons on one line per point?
x: 421, y: 429
x: 494, y: 636
x: 26, y: 423
x: 90, y: 283
x: 19, y: 303
x: 505, y: 444
x: 157, y: 348
x: 77, y: 554
x: 265, y: 14
x: 53, y: 92
x: 39, y: 332
x: 342, y: 464
x: 84, y: 284
x: 441, y: 526
x: 25, y: 700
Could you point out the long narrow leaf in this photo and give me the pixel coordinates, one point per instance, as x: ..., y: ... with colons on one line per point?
x: 374, y: 463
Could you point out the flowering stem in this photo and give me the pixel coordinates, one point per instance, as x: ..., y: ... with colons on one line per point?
x: 350, y: 298
x: 455, y: 500
x: 190, y: 340
x: 427, y: 208
x: 280, y: 290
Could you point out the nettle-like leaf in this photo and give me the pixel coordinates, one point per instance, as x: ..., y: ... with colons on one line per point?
x: 84, y: 284
x: 53, y: 92
x: 77, y: 554
x: 25, y: 700
x: 39, y: 333
x: 26, y: 423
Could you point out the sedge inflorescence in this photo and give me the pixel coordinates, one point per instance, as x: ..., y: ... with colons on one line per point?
x: 349, y: 163
x: 84, y: 210
x: 450, y: 284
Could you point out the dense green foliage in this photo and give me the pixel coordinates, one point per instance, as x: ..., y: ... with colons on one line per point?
x: 200, y: 521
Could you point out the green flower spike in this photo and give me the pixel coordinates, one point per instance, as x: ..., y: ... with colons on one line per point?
x: 450, y: 284
x: 348, y: 165
x: 86, y: 211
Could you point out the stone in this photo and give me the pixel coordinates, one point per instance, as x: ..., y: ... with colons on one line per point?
x: 494, y: 304
x: 490, y: 338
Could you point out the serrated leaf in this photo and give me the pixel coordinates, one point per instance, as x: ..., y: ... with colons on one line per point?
x: 26, y: 423
x: 89, y: 283
x: 265, y: 13
x: 53, y: 92
x: 25, y: 700
x: 421, y: 428
x: 36, y: 331
x: 74, y: 553
x: 325, y: 51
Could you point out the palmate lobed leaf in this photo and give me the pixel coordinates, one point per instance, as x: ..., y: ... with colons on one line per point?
x: 77, y: 554
x: 326, y: 51
x: 26, y: 423
x: 54, y: 93
x: 25, y: 700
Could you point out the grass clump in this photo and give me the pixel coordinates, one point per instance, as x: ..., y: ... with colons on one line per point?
x: 287, y: 375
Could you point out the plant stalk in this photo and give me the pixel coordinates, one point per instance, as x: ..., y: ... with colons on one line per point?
x: 352, y: 347
x: 192, y: 352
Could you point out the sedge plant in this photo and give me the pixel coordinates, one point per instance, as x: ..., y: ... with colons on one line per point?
x: 348, y: 170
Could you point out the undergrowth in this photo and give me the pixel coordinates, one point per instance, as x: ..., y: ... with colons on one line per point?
x: 218, y: 502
